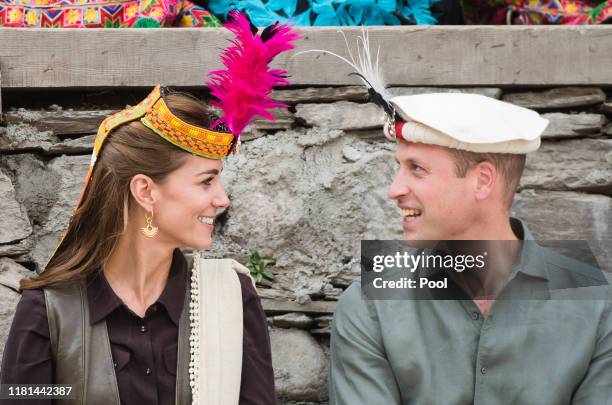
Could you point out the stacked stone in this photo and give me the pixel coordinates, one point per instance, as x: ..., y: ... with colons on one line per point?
x: 305, y: 190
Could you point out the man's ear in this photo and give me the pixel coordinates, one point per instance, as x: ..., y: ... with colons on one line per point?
x: 486, y: 177
x: 143, y: 191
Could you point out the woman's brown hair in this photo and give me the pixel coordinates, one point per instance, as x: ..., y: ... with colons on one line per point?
x: 101, y: 218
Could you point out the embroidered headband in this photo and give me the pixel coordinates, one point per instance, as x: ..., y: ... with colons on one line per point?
x: 155, y: 114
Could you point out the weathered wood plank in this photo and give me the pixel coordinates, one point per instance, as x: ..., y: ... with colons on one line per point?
x: 321, y: 94
x: 69, y: 123
x: 61, y: 122
x: 564, y: 97
x: 312, y: 307
x: 435, y: 55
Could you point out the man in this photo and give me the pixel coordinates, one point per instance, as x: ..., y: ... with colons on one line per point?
x: 460, y: 160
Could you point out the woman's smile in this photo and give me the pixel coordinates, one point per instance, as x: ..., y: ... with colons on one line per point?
x: 206, y: 220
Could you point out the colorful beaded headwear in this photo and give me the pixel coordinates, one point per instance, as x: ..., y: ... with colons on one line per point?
x: 155, y: 114
x: 199, y: 141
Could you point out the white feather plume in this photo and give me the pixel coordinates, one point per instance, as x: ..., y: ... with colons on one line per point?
x: 365, y: 66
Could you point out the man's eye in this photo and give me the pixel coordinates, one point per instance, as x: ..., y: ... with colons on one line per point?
x: 417, y: 168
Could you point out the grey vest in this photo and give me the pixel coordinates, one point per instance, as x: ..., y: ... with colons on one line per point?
x: 82, y: 353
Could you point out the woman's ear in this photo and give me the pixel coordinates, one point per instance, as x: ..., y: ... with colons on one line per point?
x: 486, y: 178
x: 143, y: 191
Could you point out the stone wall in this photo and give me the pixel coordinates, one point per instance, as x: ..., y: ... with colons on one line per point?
x: 305, y: 190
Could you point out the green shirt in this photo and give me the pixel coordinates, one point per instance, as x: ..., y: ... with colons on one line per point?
x: 527, y: 351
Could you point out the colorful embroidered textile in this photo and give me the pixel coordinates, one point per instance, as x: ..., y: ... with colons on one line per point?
x: 199, y: 141
x: 570, y: 12
x: 342, y: 12
x: 104, y: 14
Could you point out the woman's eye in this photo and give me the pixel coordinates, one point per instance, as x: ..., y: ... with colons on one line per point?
x: 208, y: 181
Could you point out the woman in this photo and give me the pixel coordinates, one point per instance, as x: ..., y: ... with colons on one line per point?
x: 114, y: 313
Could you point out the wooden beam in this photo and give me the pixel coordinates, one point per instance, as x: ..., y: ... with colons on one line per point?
x: 312, y: 307
x: 62, y: 123
x: 416, y: 55
x: 70, y: 123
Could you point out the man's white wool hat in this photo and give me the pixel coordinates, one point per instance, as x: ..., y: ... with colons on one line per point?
x: 470, y: 122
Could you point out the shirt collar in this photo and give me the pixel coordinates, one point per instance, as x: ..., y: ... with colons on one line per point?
x: 531, y: 261
x: 102, y: 299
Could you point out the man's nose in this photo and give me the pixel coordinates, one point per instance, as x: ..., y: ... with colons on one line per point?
x: 399, y: 187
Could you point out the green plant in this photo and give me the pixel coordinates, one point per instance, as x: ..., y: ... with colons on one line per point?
x: 257, y: 266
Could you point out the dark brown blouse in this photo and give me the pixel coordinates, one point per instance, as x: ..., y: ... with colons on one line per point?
x: 144, y: 349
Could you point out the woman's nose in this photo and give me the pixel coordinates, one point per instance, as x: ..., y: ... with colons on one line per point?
x: 222, y: 200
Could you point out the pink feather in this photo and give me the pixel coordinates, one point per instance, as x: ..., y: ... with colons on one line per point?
x: 243, y: 88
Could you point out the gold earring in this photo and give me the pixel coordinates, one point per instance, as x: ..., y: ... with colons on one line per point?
x: 149, y: 231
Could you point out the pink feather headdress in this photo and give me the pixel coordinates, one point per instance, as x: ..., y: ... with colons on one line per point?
x: 243, y: 88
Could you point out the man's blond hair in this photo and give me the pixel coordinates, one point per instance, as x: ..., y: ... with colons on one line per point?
x: 509, y: 166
